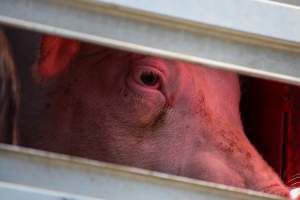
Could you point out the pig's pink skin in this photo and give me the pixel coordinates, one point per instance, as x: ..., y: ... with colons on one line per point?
x: 189, y: 125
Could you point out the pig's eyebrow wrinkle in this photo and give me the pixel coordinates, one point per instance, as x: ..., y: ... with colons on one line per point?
x: 136, y: 57
x: 100, y: 54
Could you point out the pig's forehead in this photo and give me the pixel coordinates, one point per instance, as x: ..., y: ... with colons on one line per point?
x: 172, y: 66
x: 193, y: 68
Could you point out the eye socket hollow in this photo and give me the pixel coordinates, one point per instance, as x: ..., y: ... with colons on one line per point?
x: 149, y: 78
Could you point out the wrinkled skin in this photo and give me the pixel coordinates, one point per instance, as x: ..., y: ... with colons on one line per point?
x: 186, y: 122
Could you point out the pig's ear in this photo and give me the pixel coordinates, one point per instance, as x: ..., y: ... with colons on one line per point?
x: 55, y: 55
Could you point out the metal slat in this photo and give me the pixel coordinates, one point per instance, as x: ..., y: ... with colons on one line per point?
x: 11, y: 191
x: 291, y: 2
x: 254, y: 37
x: 103, y: 180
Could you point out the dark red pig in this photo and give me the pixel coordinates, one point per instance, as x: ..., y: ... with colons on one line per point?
x: 147, y: 112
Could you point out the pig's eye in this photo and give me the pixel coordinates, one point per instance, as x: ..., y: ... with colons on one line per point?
x: 149, y: 78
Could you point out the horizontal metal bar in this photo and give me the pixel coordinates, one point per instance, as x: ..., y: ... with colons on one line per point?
x: 11, y: 191
x: 295, y: 193
x: 248, y: 16
x: 255, y: 37
x: 108, y: 181
x: 291, y: 2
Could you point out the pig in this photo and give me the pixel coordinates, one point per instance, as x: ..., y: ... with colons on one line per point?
x: 144, y: 111
x: 9, y: 93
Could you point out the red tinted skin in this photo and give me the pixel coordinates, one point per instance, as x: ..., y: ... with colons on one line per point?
x: 147, y: 112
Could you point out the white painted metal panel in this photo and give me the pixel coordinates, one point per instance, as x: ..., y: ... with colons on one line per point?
x: 78, y: 176
x: 259, y: 17
x: 9, y: 191
x: 255, y: 37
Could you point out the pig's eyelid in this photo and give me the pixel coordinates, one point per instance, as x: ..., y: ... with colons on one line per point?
x: 151, y: 64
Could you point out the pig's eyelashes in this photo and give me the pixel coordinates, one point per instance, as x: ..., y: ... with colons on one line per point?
x: 148, y: 78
